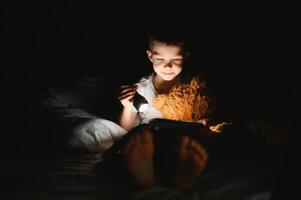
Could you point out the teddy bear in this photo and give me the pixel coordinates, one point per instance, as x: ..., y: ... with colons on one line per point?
x: 191, y: 102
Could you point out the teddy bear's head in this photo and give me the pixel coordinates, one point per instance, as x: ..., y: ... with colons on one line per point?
x: 187, y: 102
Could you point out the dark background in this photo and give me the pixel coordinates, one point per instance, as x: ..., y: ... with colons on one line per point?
x: 49, y: 42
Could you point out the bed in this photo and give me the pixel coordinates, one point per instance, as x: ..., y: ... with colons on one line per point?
x: 85, y: 176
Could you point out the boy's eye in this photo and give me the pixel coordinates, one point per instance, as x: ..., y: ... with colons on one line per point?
x: 178, y: 61
x: 158, y: 60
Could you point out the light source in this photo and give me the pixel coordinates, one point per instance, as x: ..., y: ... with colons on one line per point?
x: 140, y: 103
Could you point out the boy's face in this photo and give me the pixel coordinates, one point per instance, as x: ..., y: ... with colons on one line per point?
x: 167, y: 60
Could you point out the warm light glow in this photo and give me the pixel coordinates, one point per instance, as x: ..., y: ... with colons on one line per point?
x: 218, y: 128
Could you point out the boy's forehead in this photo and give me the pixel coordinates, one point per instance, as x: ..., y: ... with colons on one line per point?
x: 161, y: 48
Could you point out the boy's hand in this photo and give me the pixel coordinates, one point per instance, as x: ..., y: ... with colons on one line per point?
x: 204, y: 121
x: 126, y: 95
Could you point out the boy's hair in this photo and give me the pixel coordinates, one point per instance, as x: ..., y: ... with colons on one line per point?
x: 168, y: 34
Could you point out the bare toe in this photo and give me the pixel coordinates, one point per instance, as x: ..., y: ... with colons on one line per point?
x: 130, y: 144
x: 184, y: 141
x: 146, y: 137
x: 198, y: 150
x: 181, y: 146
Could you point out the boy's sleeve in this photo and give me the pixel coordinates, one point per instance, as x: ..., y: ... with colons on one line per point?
x: 73, y: 116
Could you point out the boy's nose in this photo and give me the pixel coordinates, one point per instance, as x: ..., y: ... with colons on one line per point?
x: 168, y: 64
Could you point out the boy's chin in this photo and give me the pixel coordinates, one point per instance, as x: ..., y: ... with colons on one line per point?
x: 168, y: 78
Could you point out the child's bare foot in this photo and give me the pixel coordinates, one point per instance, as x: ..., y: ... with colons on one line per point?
x: 138, y: 154
x: 191, y: 159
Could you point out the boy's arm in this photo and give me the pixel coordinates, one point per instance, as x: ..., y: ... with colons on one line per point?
x: 127, y: 118
x: 128, y: 113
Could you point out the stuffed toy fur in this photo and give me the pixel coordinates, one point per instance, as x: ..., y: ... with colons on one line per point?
x: 187, y: 102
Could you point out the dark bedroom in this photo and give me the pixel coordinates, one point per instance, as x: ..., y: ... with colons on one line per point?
x: 221, y: 121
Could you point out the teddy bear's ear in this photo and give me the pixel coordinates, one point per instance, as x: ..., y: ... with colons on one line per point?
x: 197, y: 83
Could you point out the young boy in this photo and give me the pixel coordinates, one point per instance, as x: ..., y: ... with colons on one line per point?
x: 167, y: 52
